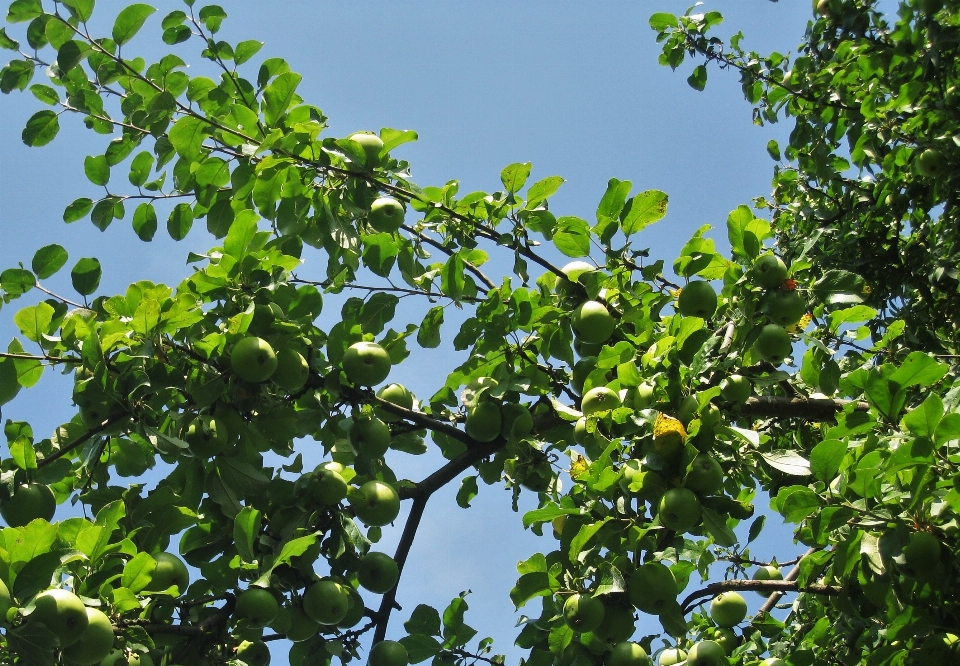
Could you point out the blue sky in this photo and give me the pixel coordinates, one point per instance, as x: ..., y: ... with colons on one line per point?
x: 573, y: 88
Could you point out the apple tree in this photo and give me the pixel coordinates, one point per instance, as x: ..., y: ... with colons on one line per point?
x: 647, y: 407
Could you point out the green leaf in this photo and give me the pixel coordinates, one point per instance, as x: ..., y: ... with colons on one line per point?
x: 796, y: 503
x: 34, y: 321
x: 586, y: 533
x: 826, y: 458
x: 129, y: 21
x: 837, y: 286
x: 71, y: 54
x: 716, y: 526
x: 138, y: 572
x: 145, y: 221
x: 17, y: 281
x: 698, y: 77
x: 643, y: 210
x: 186, y: 136
x: 41, y: 129
x: 180, y: 221
x: 23, y: 454
x: 515, y: 175
x: 246, y: 530
x: 211, y: 16
x: 278, y: 96
x: 855, y: 314
x: 572, y: 237
x: 424, y: 620
x: 77, y: 210
x: 6, y: 42
x: 542, y: 190
x: 140, y: 168
x: 80, y: 9
x: 290, y: 549
x: 919, y: 369
x: 24, y: 10
x: 85, y: 276
x: 96, y: 169
x: 428, y: 336
x: 392, y: 138
x: 788, y: 462
x: 48, y: 260
x: 923, y: 421
x: 420, y: 647
x: 240, y: 235
x: 530, y: 585
x: 45, y: 94
x: 246, y: 50
x: 663, y: 20
x: 468, y: 490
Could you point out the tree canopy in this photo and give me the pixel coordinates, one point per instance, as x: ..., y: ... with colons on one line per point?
x: 647, y: 406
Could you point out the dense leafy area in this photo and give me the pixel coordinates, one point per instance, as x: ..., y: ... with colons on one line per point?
x: 646, y: 409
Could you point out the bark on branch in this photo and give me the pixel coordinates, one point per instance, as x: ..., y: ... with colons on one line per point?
x: 811, y: 409
x: 779, y: 587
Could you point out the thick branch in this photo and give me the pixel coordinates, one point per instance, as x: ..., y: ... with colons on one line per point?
x: 85, y: 437
x: 774, y: 598
x: 422, y: 420
x: 778, y: 586
x: 400, y: 557
x: 452, y: 469
x: 812, y: 409
x: 443, y: 248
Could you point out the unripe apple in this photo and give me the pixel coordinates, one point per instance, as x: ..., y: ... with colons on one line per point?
x: 593, y: 323
x: 327, y: 486
x: 931, y: 163
x: 63, y: 613
x: 254, y: 653
x: 735, y: 389
x: 767, y: 573
x: 28, y: 502
x: 599, y: 399
x: 728, y: 609
x: 376, y: 503
x: 292, y: 370
x: 355, y: 613
x: 370, y: 435
x: 727, y: 639
x: 326, y: 602
x: 652, y: 588
x: 671, y: 657
x: 628, y: 654
x: 787, y: 308
x: 517, y: 421
x: 301, y: 627
x: 773, y: 661
x: 366, y: 363
x: 922, y: 554
x: 96, y: 641
x: 484, y: 421
x: 378, y: 572
x: 644, y: 396
x: 769, y: 271
x: 583, y: 613
x: 706, y: 653
x: 257, y: 606
x: 618, y: 624
x: 687, y: 409
x: 705, y: 476
x: 388, y: 653
x: 170, y: 571
x: 774, y: 344
x: 207, y: 436
x: 253, y: 360
x: 386, y: 215
x: 679, y: 510
x: 697, y: 299
x: 372, y: 146
x: 398, y: 395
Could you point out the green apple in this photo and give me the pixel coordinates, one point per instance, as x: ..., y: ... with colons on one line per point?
x: 931, y: 163
x: 644, y: 397
x: 326, y: 601
x: 63, y: 613
x: 5, y: 602
x: 386, y: 215
x: 301, y: 626
x: 710, y: 415
x: 517, y: 421
x: 118, y: 657
x: 593, y: 323
x: 96, y: 641
x: 787, y: 307
x: 372, y: 146
x: 583, y: 613
x: 575, y: 269
x: 366, y: 363
x: 618, y: 624
x: 254, y: 653
x: 705, y: 475
x: 292, y: 370
x: 398, y: 395
x: 580, y: 433
x: 773, y: 661
x: 628, y: 654
x: 582, y: 370
x: 727, y: 639
x: 922, y: 554
x: 728, y: 609
x: 652, y: 588
x: 822, y: 7
x: 773, y: 344
x: 645, y: 483
x: 769, y: 271
x: 599, y: 399
x: 207, y: 436
x: 378, y: 572
x: 388, y: 653
x: 253, y: 360
x: 679, y: 510
x: 671, y: 657
x: 706, y: 653
x: 327, y: 487
x: 735, y: 389
x: 370, y: 436
x: 257, y: 606
x: 9, y: 385
x: 376, y: 503
x: 170, y: 571
x: 687, y: 410
x: 355, y: 614
x: 767, y: 573
x: 28, y: 502
x: 484, y: 421
x: 697, y: 299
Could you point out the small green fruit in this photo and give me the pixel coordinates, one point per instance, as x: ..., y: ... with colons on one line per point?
x: 377, y: 504
x: 254, y: 653
x: 931, y: 163
x: 257, y: 606
x: 922, y: 554
x: 253, y: 360
x: 484, y: 421
x: 697, y: 299
x: 735, y: 389
x: 599, y: 399
x: 378, y: 572
x: 671, y: 657
x: 705, y: 476
x: 652, y: 588
x: 728, y: 609
x: 326, y: 602
x: 769, y: 271
x: 593, y: 323
x: 366, y: 363
x: 386, y: 215
x: 767, y: 573
x: 63, y: 613
x: 396, y: 394
x: 170, y: 571
x: 28, y: 502
x: 628, y: 654
x: 388, y: 653
x: 292, y: 370
x: 706, y: 653
x: 787, y: 307
x: 774, y: 344
x: 583, y: 613
x: 207, y: 436
x: 679, y: 510
x: 372, y: 146
x: 370, y: 436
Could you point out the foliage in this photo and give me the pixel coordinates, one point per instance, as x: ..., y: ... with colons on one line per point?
x: 855, y: 440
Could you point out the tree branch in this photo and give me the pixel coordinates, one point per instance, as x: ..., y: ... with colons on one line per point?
x: 443, y: 248
x: 812, y: 409
x: 400, y: 557
x: 85, y: 437
x: 779, y: 587
x: 772, y: 600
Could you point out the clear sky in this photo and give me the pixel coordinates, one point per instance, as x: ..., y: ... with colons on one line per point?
x: 574, y: 88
